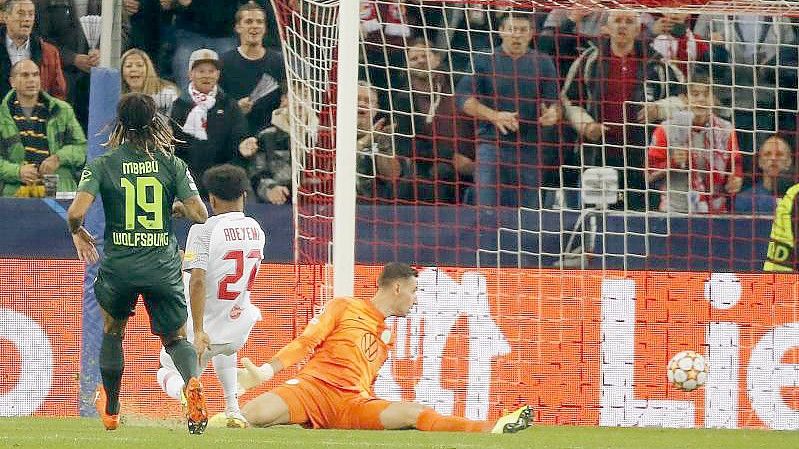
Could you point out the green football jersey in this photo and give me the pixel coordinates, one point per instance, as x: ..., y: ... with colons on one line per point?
x: 137, y: 193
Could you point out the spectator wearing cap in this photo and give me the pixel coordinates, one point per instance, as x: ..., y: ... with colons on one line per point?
x: 208, y: 123
x: 20, y: 43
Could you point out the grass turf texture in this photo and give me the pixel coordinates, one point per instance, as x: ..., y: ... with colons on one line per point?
x: 88, y: 434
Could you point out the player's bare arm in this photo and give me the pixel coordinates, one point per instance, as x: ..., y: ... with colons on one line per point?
x: 197, y: 294
x: 192, y: 208
x: 83, y: 240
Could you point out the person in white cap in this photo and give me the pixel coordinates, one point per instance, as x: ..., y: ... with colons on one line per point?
x: 209, y: 124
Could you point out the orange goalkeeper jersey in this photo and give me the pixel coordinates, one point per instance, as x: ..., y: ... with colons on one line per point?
x: 351, y: 343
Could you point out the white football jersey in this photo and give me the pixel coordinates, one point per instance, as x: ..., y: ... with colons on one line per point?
x: 229, y: 247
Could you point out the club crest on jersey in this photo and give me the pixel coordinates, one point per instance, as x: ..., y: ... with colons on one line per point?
x: 369, y: 346
x: 235, y: 312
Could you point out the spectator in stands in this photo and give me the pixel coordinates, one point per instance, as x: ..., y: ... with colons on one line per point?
x: 614, y: 82
x: 251, y: 73
x: 566, y: 31
x: 774, y: 160
x: 19, y: 42
x: 201, y: 24
x: 679, y: 45
x: 763, y: 52
x: 465, y: 27
x: 59, y: 24
x: 145, y: 24
x: 694, y: 157
x: 384, y: 28
x: 514, y: 94
x: 381, y: 172
x: 208, y: 123
x: 442, y: 143
x: 271, y: 166
x: 39, y: 136
x: 139, y: 75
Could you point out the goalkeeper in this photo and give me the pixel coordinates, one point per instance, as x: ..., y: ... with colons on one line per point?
x: 334, y: 389
x: 781, y: 255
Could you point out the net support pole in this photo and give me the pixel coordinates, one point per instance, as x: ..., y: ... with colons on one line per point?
x: 346, y: 136
x: 110, y: 33
x: 106, y: 32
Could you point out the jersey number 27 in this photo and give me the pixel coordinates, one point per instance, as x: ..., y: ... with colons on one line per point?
x: 253, y: 258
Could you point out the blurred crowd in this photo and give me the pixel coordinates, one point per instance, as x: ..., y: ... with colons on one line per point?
x: 457, y: 103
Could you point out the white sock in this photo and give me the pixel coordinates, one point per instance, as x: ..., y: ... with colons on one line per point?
x: 170, y: 381
x: 225, y: 368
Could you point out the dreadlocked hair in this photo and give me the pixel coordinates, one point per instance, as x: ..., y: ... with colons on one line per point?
x: 140, y: 125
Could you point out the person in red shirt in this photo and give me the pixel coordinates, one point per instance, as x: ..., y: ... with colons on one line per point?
x: 334, y: 390
x: 18, y: 41
x: 612, y: 85
x: 694, y: 157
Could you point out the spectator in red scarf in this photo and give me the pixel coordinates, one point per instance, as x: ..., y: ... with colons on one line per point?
x: 694, y: 157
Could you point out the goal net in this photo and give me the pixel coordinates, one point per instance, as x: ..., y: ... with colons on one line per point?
x: 586, y: 186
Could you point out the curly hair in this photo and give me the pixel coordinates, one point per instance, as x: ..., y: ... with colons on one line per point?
x: 139, y: 124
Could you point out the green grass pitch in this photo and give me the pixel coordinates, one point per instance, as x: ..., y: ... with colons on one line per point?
x: 88, y: 434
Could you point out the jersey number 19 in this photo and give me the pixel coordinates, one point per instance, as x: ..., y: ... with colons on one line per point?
x: 146, y: 196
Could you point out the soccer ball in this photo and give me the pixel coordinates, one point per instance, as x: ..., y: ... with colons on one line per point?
x: 687, y: 370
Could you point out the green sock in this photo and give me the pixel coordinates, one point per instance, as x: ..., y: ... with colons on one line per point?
x: 185, y: 358
x: 112, y: 364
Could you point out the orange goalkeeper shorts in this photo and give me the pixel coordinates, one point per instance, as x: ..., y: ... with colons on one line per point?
x: 318, y: 405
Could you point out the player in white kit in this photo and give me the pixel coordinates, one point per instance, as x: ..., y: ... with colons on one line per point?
x: 221, y: 261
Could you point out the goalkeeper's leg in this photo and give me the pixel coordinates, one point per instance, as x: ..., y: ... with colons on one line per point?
x: 405, y: 415
x: 408, y: 415
x: 267, y: 410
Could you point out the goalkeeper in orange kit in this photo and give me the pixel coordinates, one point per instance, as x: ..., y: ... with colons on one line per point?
x: 334, y: 390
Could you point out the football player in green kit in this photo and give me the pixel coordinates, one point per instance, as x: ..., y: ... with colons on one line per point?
x: 141, y: 183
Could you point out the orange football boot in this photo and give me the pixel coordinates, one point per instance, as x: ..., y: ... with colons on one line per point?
x: 111, y: 422
x: 196, y: 410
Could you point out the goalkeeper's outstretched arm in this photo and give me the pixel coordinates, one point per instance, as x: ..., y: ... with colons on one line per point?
x: 251, y: 375
x: 315, y: 333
